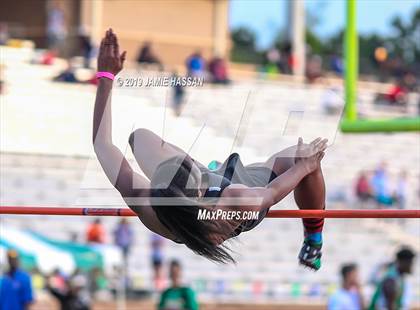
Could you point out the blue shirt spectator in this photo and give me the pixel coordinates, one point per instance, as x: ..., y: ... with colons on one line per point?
x: 156, y: 244
x: 349, y: 296
x: 337, y: 65
x: 381, y: 186
x: 123, y: 235
x: 15, y: 286
x: 195, y: 65
x: 344, y: 300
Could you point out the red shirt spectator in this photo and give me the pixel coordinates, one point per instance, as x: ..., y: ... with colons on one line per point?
x: 396, y: 93
x: 95, y: 232
x: 363, y: 190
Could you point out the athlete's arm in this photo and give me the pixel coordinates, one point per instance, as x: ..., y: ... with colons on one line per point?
x: 133, y: 187
x: 112, y: 160
x: 260, y: 198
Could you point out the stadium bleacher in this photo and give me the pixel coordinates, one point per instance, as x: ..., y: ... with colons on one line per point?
x: 60, y: 169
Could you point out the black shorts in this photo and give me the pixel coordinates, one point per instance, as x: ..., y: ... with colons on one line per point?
x: 251, y: 176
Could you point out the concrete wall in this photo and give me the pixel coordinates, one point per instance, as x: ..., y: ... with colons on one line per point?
x: 175, y: 28
x: 27, y: 19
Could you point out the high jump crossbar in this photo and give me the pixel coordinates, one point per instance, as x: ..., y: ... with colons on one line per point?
x: 355, y: 213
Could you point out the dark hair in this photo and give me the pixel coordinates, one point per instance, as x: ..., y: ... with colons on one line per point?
x: 347, y: 268
x: 180, y: 215
x: 174, y: 263
x: 405, y: 253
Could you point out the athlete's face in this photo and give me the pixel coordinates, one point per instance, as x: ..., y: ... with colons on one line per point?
x: 13, y: 259
x: 222, y: 231
x: 175, y: 273
x: 13, y: 262
x: 406, y: 266
x: 352, y: 278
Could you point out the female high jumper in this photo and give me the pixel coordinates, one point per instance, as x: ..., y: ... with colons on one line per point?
x: 178, y: 188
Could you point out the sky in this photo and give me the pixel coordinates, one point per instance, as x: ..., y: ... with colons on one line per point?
x: 267, y: 17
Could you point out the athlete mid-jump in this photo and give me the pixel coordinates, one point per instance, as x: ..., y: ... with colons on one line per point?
x: 176, y: 187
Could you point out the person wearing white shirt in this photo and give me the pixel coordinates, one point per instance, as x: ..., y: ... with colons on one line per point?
x: 349, y: 296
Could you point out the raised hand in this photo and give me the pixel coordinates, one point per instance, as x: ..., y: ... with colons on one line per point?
x: 110, y: 59
x: 310, y: 155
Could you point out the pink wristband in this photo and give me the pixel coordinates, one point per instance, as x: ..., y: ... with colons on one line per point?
x: 104, y: 74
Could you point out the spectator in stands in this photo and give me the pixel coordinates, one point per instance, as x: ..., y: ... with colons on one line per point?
x: 218, y: 71
x: 349, y: 296
x: 86, y: 47
x: 97, y: 282
x: 95, y: 232
x: 287, y: 58
x: 15, y: 285
x: 363, y: 190
x: 38, y: 279
x: 58, y: 279
x: 47, y: 58
x: 395, y: 95
x: 79, y: 273
x: 177, y: 296
x: 123, y: 237
x: 147, y: 56
x: 195, y: 65
x: 314, y: 68
x: 67, y: 75
x: 272, y: 61
x: 178, y: 94
x: 336, y: 64
x: 71, y: 297
x: 391, y: 290
x: 156, y: 244
x: 381, y: 186
x: 56, y: 26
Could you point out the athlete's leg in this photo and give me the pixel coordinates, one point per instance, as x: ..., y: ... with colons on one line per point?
x: 309, y: 194
x: 150, y: 150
